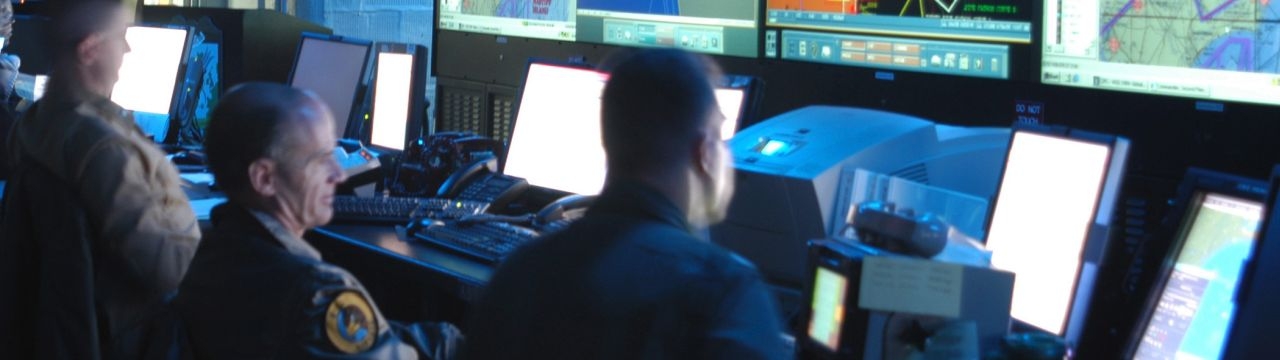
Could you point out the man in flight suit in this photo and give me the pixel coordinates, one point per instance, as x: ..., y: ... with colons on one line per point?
x: 142, y: 230
x: 630, y: 279
x: 256, y: 289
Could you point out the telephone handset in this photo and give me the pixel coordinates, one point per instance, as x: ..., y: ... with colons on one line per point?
x: 559, y: 213
x: 480, y: 181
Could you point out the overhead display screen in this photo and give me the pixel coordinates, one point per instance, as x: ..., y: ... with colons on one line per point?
x: 721, y: 27
x: 1207, y: 49
x: 975, y: 38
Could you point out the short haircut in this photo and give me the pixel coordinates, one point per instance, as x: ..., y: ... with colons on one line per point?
x: 251, y: 122
x: 655, y: 101
x: 74, y: 20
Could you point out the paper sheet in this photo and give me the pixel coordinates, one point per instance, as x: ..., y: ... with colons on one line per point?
x: 913, y: 286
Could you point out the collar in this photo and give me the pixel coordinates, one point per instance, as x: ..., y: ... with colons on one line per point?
x: 292, y: 244
x: 634, y: 198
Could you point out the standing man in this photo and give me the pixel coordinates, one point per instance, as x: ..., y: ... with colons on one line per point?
x: 258, y: 290
x: 140, y: 228
x: 631, y: 280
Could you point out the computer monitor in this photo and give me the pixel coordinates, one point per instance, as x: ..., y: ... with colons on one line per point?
x: 556, y: 140
x: 1049, y: 221
x: 333, y: 67
x: 398, y: 96
x: 1255, y: 324
x: 1217, y: 50
x: 985, y: 40
x: 150, y: 76
x: 1213, y: 226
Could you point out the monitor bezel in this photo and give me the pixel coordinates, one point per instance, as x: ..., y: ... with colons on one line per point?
x: 361, y: 85
x: 1196, y: 184
x: 417, y: 94
x: 1244, y: 341
x: 171, y: 133
x: 1093, y: 245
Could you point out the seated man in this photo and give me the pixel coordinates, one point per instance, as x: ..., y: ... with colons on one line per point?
x: 630, y: 279
x: 256, y: 289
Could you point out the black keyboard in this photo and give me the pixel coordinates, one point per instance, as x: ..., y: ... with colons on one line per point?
x: 385, y: 209
x: 489, y: 242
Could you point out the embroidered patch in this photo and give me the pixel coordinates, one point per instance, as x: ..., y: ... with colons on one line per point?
x: 350, y: 323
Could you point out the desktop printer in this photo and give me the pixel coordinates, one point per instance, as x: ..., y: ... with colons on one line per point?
x: 788, y: 168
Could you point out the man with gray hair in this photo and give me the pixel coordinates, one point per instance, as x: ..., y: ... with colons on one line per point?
x: 256, y: 289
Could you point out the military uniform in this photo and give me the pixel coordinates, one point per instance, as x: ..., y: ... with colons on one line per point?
x: 256, y: 291
x: 627, y: 281
x: 144, y: 230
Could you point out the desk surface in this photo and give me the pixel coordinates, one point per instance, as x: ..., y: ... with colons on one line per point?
x: 459, y: 275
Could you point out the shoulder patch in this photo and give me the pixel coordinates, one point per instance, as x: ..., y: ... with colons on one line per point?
x: 350, y: 323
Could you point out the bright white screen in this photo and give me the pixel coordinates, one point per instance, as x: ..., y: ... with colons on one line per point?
x: 391, y: 100
x: 731, y: 106
x: 149, y: 72
x: 1043, y: 212
x: 556, y: 140
x: 332, y: 71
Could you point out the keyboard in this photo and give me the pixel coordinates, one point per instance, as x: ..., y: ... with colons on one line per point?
x: 388, y: 209
x: 488, y: 242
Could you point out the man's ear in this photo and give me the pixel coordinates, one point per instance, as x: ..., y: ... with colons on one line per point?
x: 87, y: 49
x: 262, y: 177
x: 705, y: 155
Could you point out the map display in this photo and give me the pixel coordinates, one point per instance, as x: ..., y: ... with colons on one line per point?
x: 1195, y: 307
x: 1233, y: 35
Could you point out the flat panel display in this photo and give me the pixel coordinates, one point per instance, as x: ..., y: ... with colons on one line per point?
x: 556, y: 140
x: 1195, y: 306
x: 1043, y: 212
x: 724, y: 27
x: 1204, y: 49
x: 391, y: 98
x: 149, y: 75
x: 334, y: 71
x: 975, y: 38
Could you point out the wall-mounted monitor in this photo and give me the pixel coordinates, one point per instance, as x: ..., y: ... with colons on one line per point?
x: 722, y: 27
x: 397, y: 96
x: 1215, y: 50
x: 557, y: 126
x: 965, y: 38
x: 333, y: 67
x: 151, y: 74
x: 542, y: 19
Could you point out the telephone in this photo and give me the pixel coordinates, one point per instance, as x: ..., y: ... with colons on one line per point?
x: 481, y: 181
x: 426, y: 163
x: 882, y: 225
x: 559, y: 213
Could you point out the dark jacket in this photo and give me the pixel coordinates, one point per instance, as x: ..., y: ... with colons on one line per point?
x: 627, y: 281
x: 46, y: 271
x: 252, y: 292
